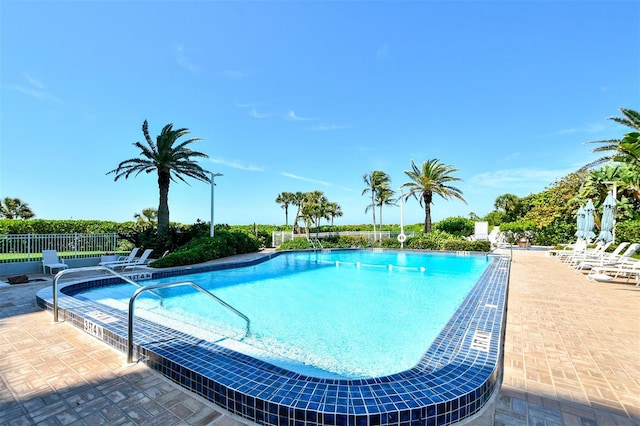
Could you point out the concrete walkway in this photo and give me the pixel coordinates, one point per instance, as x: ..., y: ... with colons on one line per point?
x: 572, y: 357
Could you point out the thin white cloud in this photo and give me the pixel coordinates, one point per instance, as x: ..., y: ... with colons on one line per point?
x: 292, y: 176
x: 509, y: 180
x: 328, y: 127
x: 510, y: 157
x: 243, y: 105
x: 34, y: 88
x: 588, y: 128
x: 33, y: 81
x: 255, y: 114
x: 383, y: 51
x: 291, y: 115
x: 234, y: 74
x: 236, y: 165
x: 183, y: 61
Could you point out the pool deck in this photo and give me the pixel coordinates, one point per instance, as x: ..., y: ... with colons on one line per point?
x: 572, y: 357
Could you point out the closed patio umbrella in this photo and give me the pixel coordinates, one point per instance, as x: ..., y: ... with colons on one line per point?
x: 606, y: 225
x: 587, y: 232
x: 580, y: 222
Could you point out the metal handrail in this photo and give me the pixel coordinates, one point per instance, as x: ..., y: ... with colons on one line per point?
x: 167, y: 285
x: 86, y: 269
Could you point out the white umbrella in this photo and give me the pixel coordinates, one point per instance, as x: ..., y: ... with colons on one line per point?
x: 606, y: 224
x: 587, y: 232
x: 580, y: 222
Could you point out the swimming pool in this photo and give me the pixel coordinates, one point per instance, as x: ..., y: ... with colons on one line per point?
x: 453, y: 380
x: 324, y: 314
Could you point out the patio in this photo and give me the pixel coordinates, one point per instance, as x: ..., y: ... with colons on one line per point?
x: 571, y: 357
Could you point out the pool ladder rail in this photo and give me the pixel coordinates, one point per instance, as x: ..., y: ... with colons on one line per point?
x: 141, y: 289
x: 82, y: 270
x: 168, y: 285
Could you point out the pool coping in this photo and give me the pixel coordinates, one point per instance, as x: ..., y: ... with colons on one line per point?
x: 466, y: 356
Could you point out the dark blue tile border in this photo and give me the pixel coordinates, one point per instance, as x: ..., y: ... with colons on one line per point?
x: 454, y: 379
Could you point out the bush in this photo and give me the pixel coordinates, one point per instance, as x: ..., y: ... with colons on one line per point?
x: 295, y: 244
x: 433, y: 240
x: 203, y: 249
x: 628, y: 231
x: 464, y: 245
x: 458, y: 226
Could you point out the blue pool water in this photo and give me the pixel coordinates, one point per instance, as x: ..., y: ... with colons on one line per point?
x: 350, y: 314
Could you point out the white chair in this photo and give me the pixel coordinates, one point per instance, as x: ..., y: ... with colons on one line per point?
x: 51, y: 260
x: 481, y: 231
x: 628, y: 269
x: 121, y: 259
x: 609, y: 260
x: 142, y: 260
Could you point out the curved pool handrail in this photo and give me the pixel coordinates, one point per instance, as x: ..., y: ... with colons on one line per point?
x: 168, y: 285
x: 85, y: 269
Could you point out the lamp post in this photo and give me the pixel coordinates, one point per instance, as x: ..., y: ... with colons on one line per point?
x: 402, y: 237
x: 213, y: 184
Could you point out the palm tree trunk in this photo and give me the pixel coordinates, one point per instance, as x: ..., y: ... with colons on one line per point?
x: 427, y: 212
x: 163, y: 207
x: 373, y: 211
x: 380, y: 222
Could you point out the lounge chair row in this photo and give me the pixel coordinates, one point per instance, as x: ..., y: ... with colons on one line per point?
x: 602, y: 265
x: 51, y: 261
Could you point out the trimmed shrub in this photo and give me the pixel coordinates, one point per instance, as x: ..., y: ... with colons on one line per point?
x: 463, y: 245
x: 458, y: 226
x: 628, y: 231
x: 203, y: 249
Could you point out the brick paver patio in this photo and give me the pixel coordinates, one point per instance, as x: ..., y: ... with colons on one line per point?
x: 572, y: 357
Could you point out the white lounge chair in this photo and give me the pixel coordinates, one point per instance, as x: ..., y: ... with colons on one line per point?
x: 481, y: 231
x: 627, y: 269
x: 129, y: 258
x: 609, y: 260
x: 51, y: 260
x: 142, y: 260
x: 590, y: 254
x: 579, y: 247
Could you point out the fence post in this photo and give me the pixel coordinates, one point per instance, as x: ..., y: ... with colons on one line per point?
x: 29, y: 247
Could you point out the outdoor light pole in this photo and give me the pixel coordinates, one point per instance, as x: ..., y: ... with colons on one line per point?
x: 213, y: 184
x: 402, y: 237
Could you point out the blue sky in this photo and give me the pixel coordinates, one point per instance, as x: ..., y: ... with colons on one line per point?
x: 302, y: 96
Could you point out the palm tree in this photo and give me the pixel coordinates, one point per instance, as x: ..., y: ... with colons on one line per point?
x: 298, y: 200
x: 146, y: 219
x: 431, y: 179
x: 284, y: 199
x: 625, y: 150
x: 334, y: 210
x: 14, y: 208
x: 385, y: 198
x: 509, y: 203
x: 376, y: 180
x: 169, y: 161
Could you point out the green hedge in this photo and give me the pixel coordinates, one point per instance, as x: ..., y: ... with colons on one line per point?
x: 204, y: 249
x: 628, y: 231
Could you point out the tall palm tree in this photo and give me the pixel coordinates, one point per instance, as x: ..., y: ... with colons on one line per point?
x: 14, y: 208
x: 170, y: 159
x: 334, y: 210
x: 432, y: 178
x: 385, y: 198
x: 375, y: 180
x: 625, y: 150
x: 298, y: 200
x: 284, y: 199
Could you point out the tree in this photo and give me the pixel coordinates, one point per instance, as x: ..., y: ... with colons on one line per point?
x: 376, y: 182
x: 169, y: 161
x: 625, y: 150
x: 334, y: 210
x: 146, y: 219
x: 385, y: 198
x: 508, y: 203
x: 298, y: 200
x: 14, y: 208
x: 284, y: 199
x: 432, y: 178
